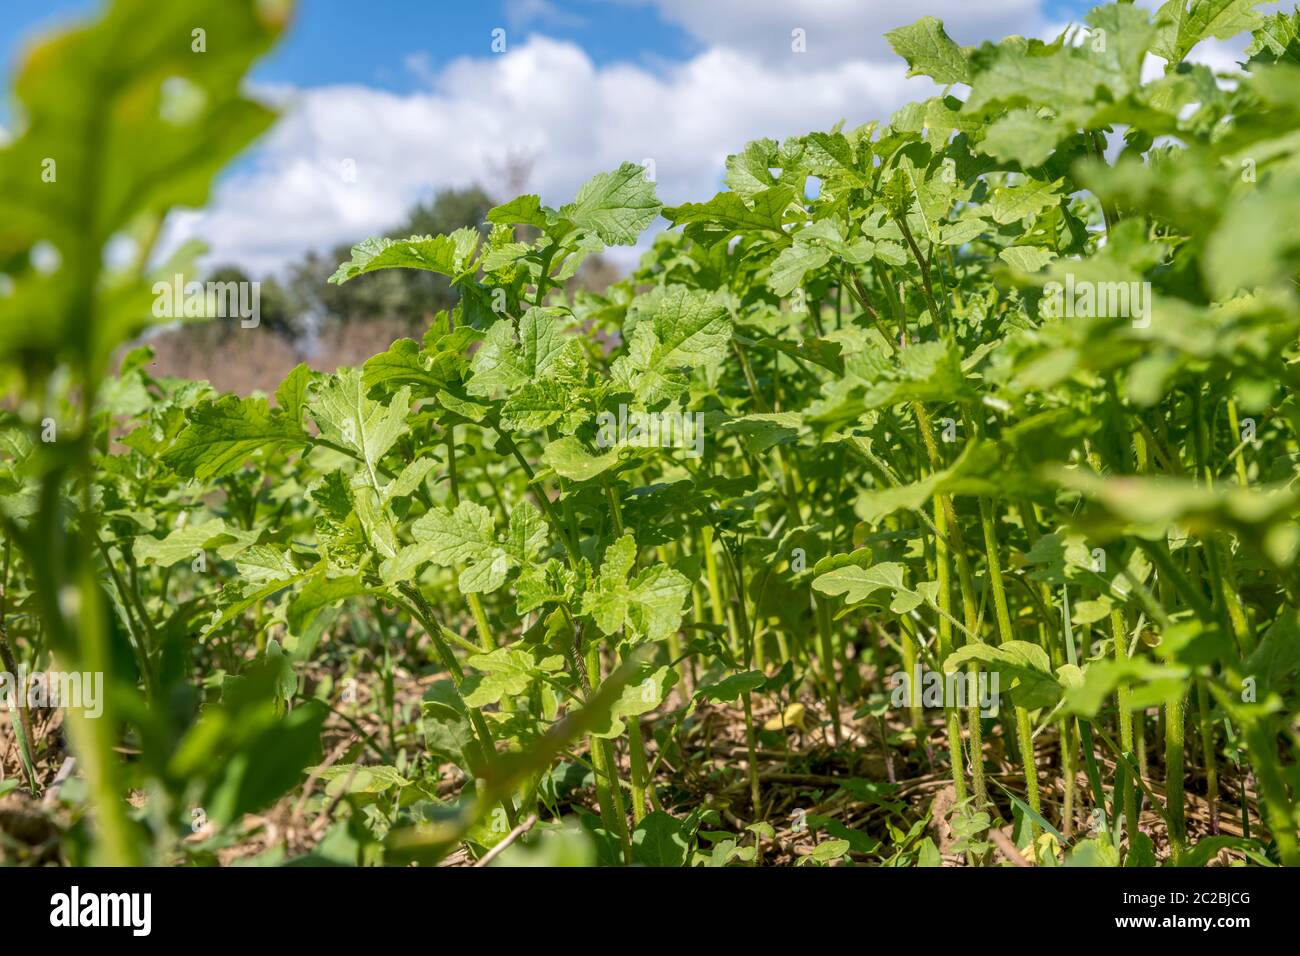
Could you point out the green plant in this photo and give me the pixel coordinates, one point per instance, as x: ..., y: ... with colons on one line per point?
x: 973, y: 388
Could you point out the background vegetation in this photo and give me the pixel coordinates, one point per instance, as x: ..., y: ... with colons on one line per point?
x: 413, y: 610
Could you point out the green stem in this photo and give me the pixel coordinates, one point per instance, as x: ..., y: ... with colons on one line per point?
x: 1119, y: 633
x: 640, y: 772
x: 943, y: 574
x: 603, y: 759
x: 475, y: 602
x: 827, y: 649
x: 1174, y: 717
x: 418, y: 608
x: 1024, y: 733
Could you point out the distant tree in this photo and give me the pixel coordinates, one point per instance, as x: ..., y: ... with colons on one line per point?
x: 277, y: 310
x: 450, y: 209
x: 395, y: 293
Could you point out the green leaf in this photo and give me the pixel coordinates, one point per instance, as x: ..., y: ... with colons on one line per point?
x: 410, y: 479
x: 286, y: 680
x: 1027, y: 258
x: 762, y: 431
x: 730, y: 212
x: 1185, y: 23
x: 856, y: 584
x: 974, y: 472
x: 220, y: 436
x: 1275, y: 661
x: 660, y: 840
x: 929, y: 51
x: 138, y: 124
x: 352, y: 778
x: 1072, y: 80
x: 928, y: 371
x: 291, y: 394
x: 263, y: 563
x: 1013, y: 203
x: 790, y: 267
x: 616, y: 206
x: 1254, y: 245
x: 319, y: 593
x: 1151, y: 684
x: 448, y: 734
x: 368, y: 428
x: 644, y: 692
x: 1205, y: 850
x: 649, y: 605
x: 526, y: 535
x: 267, y: 764
x: 571, y: 460
x: 504, y: 672
x: 829, y: 850
x: 729, y: 689
x: 1024, y: 136
x: 522, y: 211
x: 182, y: 544
x: 466, y: 537
x: 507, y: 362
x: 1031, y: 683
x: 406, y: 363
x: 444, y: 255
x: 689, y: 329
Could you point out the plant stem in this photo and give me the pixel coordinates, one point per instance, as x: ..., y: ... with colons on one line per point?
x: 943, y: 574
x: 1024, y: 734
x: 606, y: 764
x: 1123, y: 695
x: 1174, y: 717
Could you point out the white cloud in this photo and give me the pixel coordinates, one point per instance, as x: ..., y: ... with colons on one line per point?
x: 545, y: 99
x: 840, y: 30
x: 522, y: 12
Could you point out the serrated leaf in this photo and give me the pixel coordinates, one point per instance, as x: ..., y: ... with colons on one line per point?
x: 319, y: 593
x: 182, y: 544
x: 220, y: 436
x: 856, y: 583
x: 1185, y: 23
x: 689, y: 329
x: 616, y: 206
x: 929, y: 51
x: 507, y: 361
x: 570, y: 459
x: 465, y: 537
x: 445, y: 255
x: 649, y: 606
x: 1023, y: 667
x: 1013, y: 203
x: 348, y: 418
x: 1027, y: 258
x: 730, y: 212
x: 504, y: 672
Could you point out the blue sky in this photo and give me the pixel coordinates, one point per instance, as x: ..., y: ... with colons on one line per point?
x: 330, y: 43
x: 409, y: 96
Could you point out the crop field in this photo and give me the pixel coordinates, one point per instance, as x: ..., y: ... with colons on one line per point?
x: 927, y: 497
